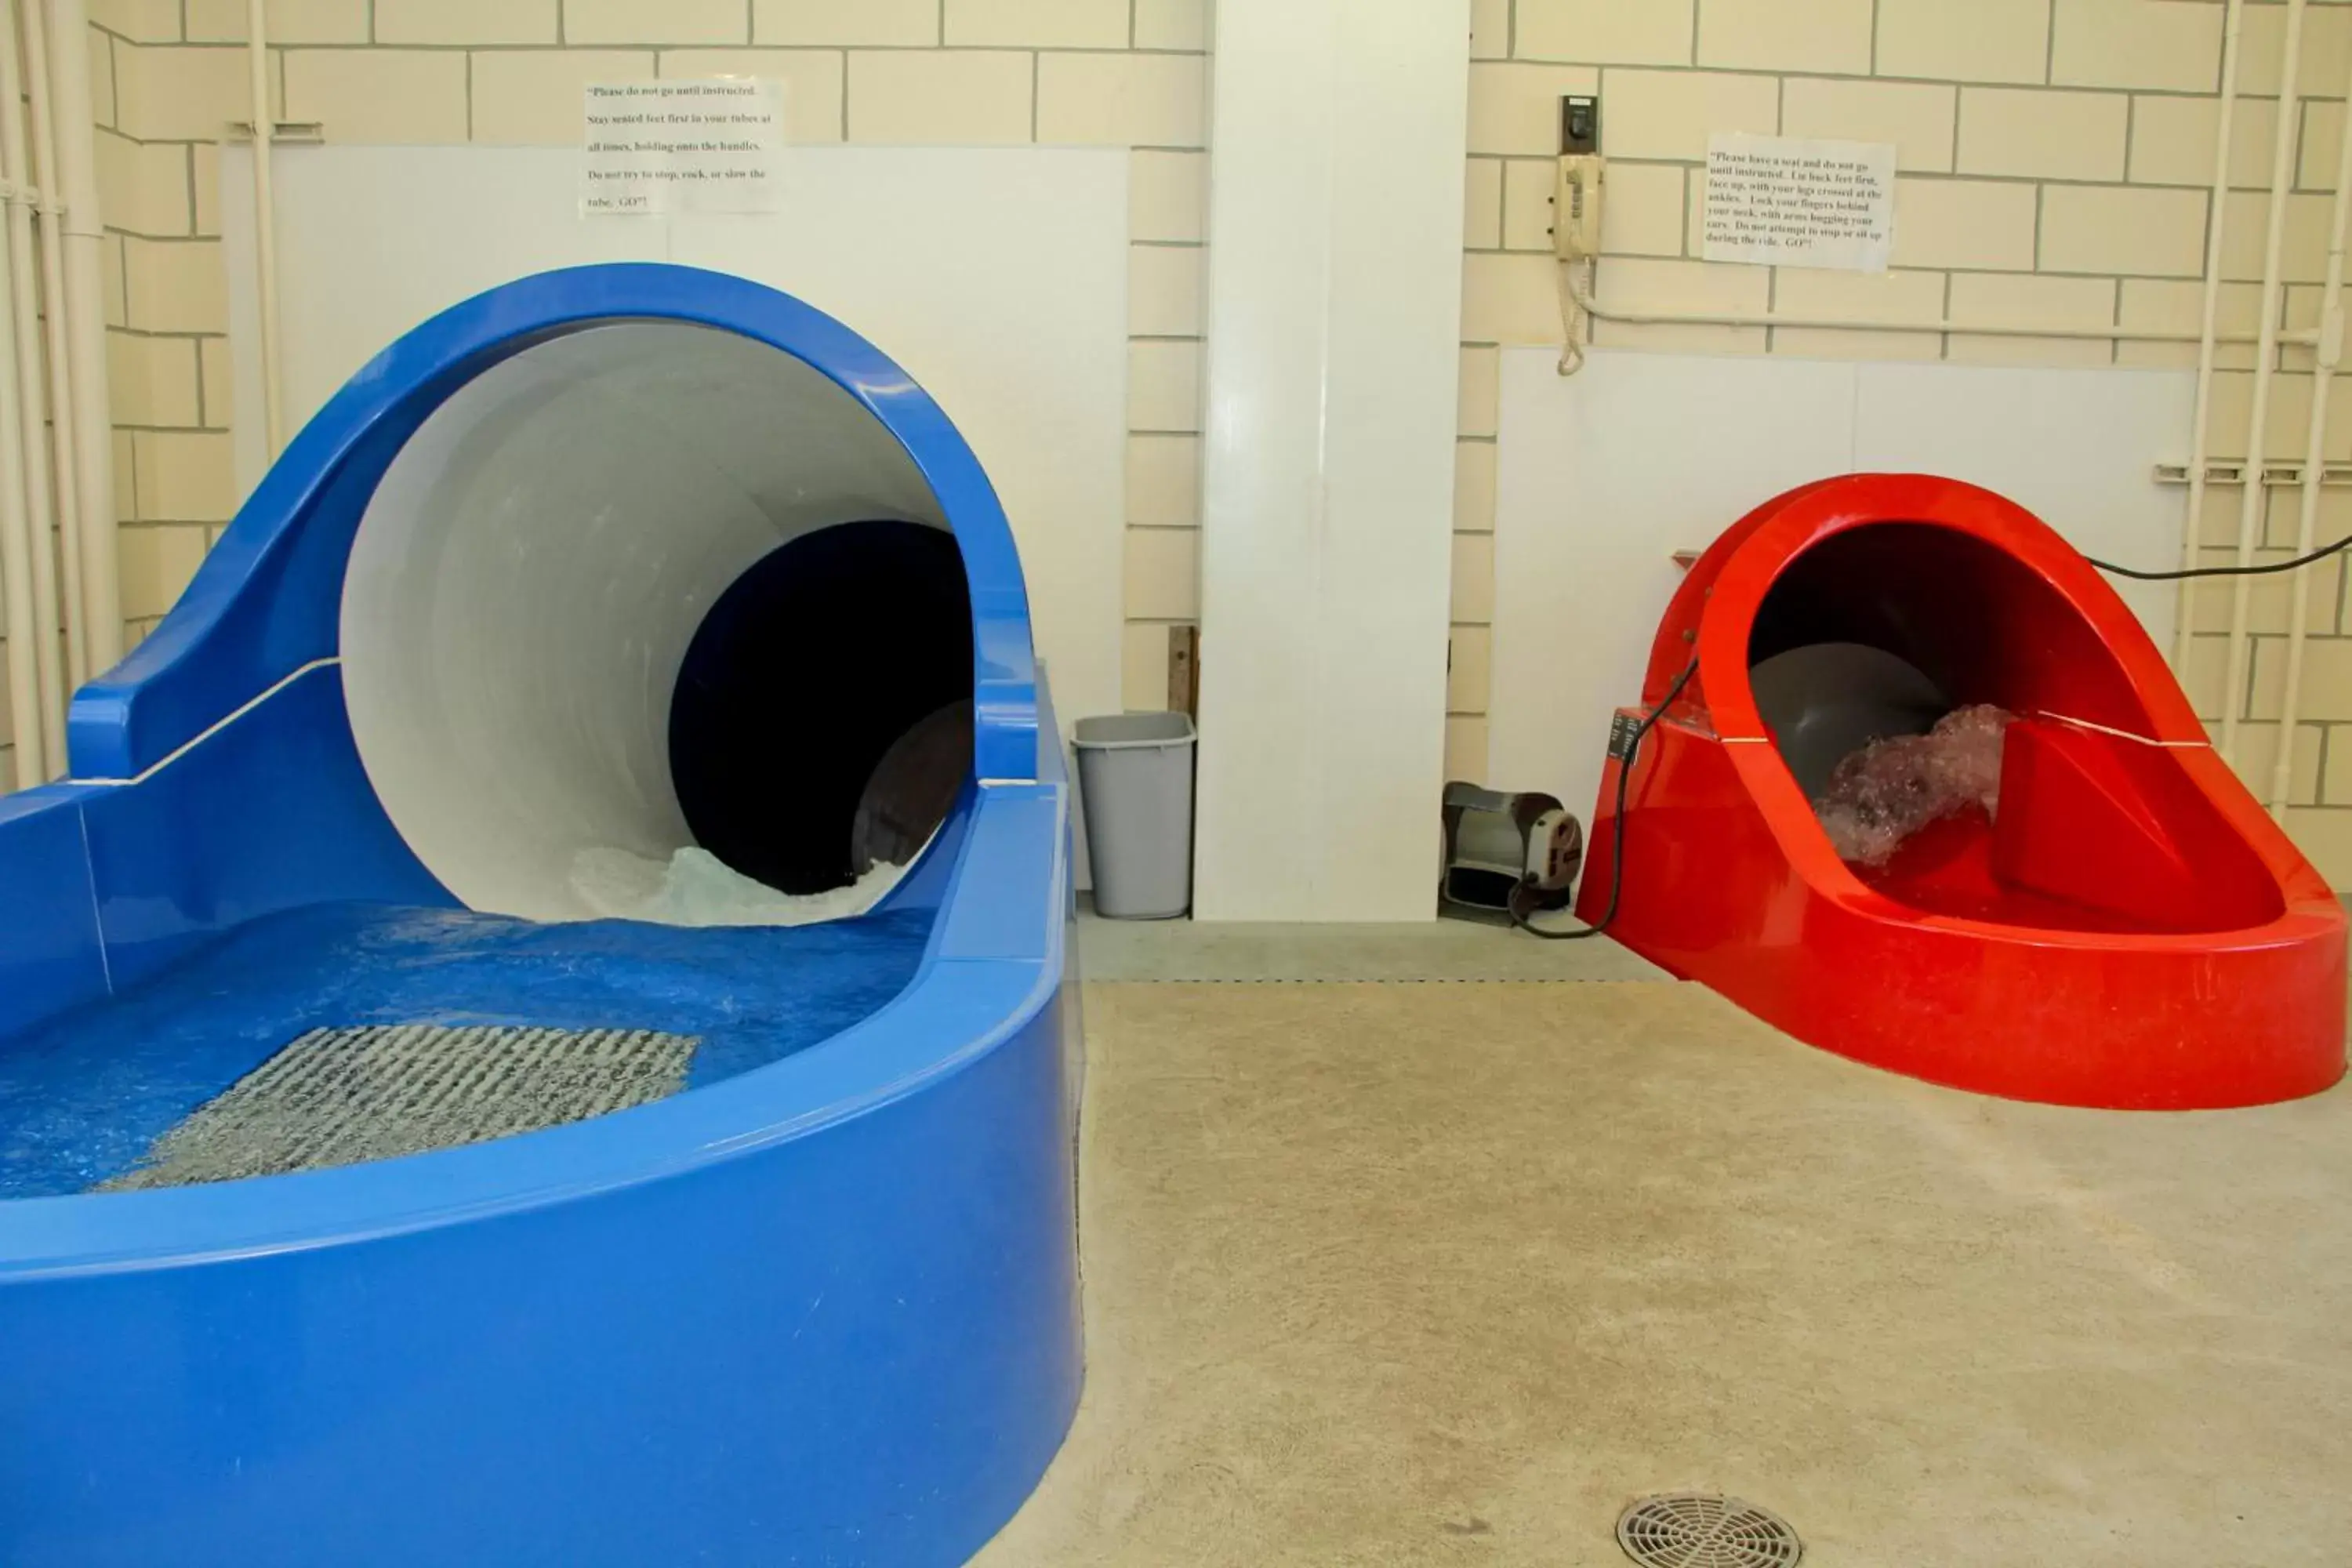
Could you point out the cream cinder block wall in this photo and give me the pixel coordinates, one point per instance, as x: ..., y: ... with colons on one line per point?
x: 172, y: 74
x: 2053, y: 163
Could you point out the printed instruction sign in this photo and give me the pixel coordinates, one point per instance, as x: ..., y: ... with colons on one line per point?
x: 1782, y: 201
x: 714, y: 146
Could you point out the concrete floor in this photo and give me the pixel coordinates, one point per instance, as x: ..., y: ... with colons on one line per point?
x: 1435, y: 1274
x: 1442, y: 950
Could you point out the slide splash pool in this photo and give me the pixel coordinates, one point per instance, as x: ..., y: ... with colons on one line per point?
x: 408, y: 1151
x: 2120, y: 925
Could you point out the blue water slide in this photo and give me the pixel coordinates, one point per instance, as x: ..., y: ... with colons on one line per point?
x: 604, y: 566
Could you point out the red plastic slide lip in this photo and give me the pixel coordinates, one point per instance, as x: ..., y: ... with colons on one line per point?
x: 1756, y: 552
x: 1731, y: 580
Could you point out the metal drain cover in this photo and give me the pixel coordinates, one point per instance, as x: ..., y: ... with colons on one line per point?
x: 1705, y: 1530
x: 336, y: 1097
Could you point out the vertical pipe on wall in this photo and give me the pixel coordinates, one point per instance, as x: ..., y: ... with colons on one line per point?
x: 2315, y: 461
x: 43, y: 641
x: 25, y: 711
x: 2184, y: 624
x: 17, y: 520
x: 2250, y: 506
x: 53, y: 317
x: 85, y: 309
x: 265, y: 220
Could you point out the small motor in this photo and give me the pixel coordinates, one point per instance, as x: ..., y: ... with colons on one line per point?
x: 1518, y: 853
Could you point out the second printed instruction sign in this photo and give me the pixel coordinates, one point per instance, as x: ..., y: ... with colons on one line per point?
x: 709, y: 146
x: 1779, y: 201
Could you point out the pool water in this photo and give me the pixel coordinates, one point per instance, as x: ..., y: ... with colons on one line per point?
x: 83, y: 1097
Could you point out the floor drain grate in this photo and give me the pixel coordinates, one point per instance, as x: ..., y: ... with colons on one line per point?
x: 1705, y: 1530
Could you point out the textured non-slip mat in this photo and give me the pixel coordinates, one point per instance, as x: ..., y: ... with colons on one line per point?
x: 336, y: 1097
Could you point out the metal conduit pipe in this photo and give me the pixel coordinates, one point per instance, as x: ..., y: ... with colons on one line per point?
x: 2315, y: 458
x: 15, y: 521
x: 2250, y: 508
x: 16, y: 572
x: 25, y: 467
x: 2184, y: 619
x: 265, y: 222
x: 59, y: 435
x: 1582, y: 297
x: 101, y: 601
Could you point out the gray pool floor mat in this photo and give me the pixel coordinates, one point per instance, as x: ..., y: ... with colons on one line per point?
x: 337, y: 1097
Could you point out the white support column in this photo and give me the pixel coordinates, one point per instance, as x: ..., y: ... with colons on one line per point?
x: 1334, y: 311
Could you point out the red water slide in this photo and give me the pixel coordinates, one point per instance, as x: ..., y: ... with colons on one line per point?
x: 2127, y: 928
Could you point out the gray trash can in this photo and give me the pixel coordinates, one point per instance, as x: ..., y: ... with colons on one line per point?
x: 1135, y: 781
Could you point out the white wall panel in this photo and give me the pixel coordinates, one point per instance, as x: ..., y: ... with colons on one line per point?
x: 996, y: 276
x: 1603, y: 476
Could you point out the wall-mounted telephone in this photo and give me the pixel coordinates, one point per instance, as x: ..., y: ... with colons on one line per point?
x: 1576, y: 207
x: 1576, y: 193
x: 1575, y: 204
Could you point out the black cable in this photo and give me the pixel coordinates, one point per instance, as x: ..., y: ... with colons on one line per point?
x: 2322, y: 553
x: 1617, y: 828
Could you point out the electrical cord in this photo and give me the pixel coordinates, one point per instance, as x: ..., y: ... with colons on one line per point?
x: 2322, y: 553
x: 1617, y: 829
x: 1572, y: 318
